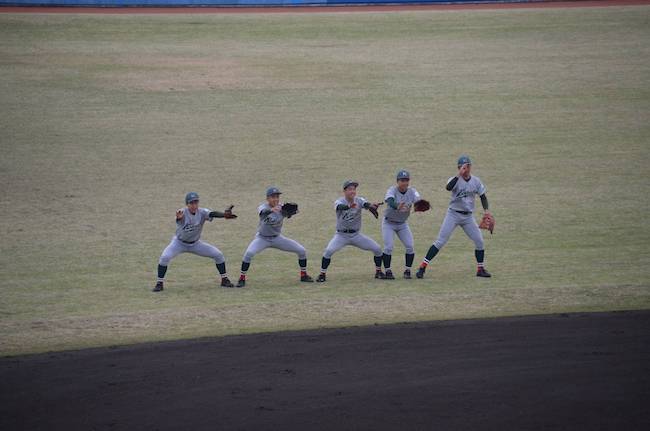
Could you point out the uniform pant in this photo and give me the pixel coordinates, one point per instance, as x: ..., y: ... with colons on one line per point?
x: 466, y: 221
x: 403, y: 231
x: 176, y: 247
x: 359, y: 240
x: 280, y: 242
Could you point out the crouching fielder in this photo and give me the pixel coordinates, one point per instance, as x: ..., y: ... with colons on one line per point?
x: 189, y: 224
x: 269, y: 235
x: 348, y: 229
x: 400, y: 198
x: 463, y: 187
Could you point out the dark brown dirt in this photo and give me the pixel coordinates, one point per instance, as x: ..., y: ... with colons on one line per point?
x: 321, y: 9
x: 578, y: 371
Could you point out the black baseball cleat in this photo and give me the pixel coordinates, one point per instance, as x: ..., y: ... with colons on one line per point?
x: 241, y: 283
x: 225, y: 282
x: 380, y: 275
x: 483, y: 273
x: 159, y: 287
x: 306, y: 279
x: 389, y: 275
x: 407, y: 274
x: 420, y: 273
x: 322, y: 278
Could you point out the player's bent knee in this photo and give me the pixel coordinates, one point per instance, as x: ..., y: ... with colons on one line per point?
x: 219, y: 258
x: 410, y: 250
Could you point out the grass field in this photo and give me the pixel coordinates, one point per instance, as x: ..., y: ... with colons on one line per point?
x: 107, y: 121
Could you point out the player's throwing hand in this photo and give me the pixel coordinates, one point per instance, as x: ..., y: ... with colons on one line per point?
x: 179, y: 214
x: 463, y: 171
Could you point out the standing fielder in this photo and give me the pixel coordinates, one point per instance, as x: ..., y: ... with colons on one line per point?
x: 348, y: 229
x: 399, y: 199
x: 272, y: 215
x: 463, y: 188
x: 189, y: 224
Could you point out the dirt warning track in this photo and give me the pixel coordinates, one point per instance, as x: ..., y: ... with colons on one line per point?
x: 578, y: 371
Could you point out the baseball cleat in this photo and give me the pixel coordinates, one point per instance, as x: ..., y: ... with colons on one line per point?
x: 241, y: 283
x: 306, y: 279
x: 407, y: 274
x: 483, y: 273
x: 420, y: 272
x: 159, y: 287
x: 380, y: 275
x: 225, y: 282
x: 322, y: 278
x: 389, y: 275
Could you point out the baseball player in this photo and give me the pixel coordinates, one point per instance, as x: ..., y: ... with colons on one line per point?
x: 399, y: 199
x: 463, y: 188
x: 269, y: 229
x: 348, y: 229
x: 189, y: 224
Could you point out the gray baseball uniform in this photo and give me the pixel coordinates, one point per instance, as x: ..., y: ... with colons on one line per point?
x: 395, y: 220
x: 348, y: 229
x: 269, y: 235
x: 460, y: 211
x: 187, y: 238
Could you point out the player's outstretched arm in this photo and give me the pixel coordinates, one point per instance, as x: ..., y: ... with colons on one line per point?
x: 484, y: 203
x: 452, y: 183
x: 391, y: 203
x: 373, y: 208
x: 226, y: 214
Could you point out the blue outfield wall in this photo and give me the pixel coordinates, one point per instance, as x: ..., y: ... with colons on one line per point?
x: 243, y: 3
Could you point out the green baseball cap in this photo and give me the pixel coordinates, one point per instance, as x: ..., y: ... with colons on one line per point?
x: 191, y: 196
x: 403, y: 175
x: 348, y: 183
x: 464, y: 160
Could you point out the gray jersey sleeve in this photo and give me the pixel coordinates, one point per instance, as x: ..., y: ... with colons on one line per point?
x: 480, y: 188
x: 390, y: 193
x: 205, y: 212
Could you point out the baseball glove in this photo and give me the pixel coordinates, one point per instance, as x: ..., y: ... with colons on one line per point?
x: 289, y: 209
x: 373, y: 209
x: 228, y: 212
x: 422, y: 205
x: 487, y: 222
